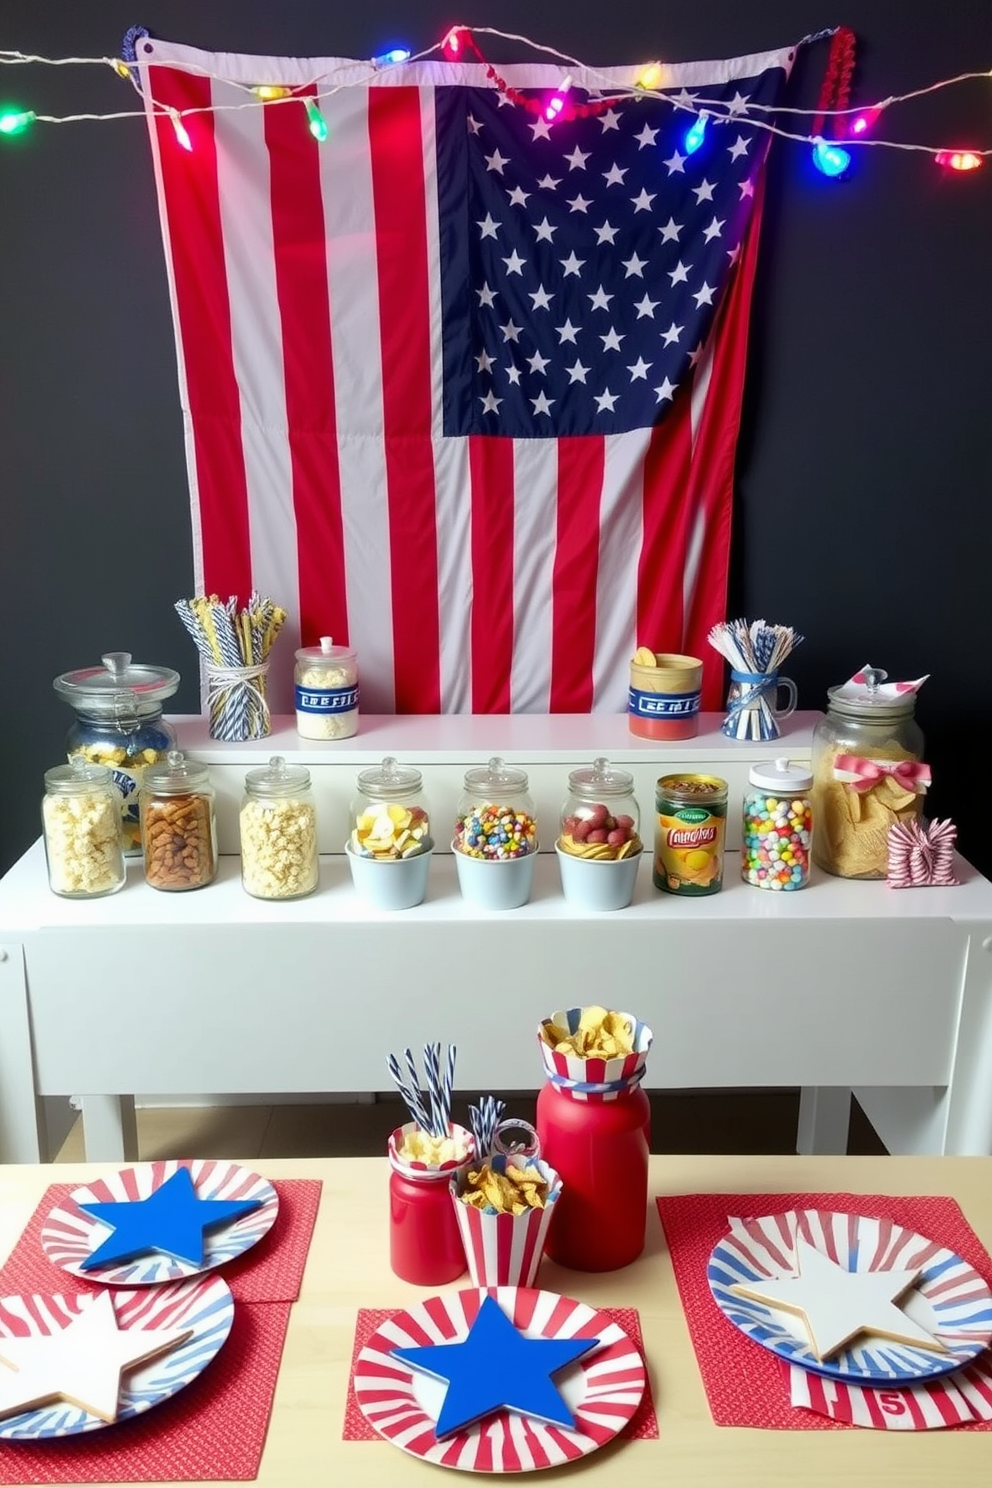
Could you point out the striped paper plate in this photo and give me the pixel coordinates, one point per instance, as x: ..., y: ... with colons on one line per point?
x: 603, y: 1389
x: 950, y: 1300
x: 69, y: 1235
x: 203, y: 1303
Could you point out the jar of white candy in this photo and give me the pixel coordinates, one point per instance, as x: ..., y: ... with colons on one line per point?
x: 278, y: 832
x: 81, y: 817
x: 778, y: 826
x: 326, y: 691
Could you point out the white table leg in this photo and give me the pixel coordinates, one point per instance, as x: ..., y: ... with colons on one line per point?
x: 109, y: 1130
x: 824, y: 1117
x: 22, y: 1125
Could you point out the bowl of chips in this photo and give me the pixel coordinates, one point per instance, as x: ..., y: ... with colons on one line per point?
x: 495, y: 883
x: 504, y: 1208
x: 595, y: 1048
x: 390, y: 883
x: 597, y: 883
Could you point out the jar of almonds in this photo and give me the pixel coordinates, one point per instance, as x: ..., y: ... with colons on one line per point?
x: 278, y: 832
x: 178, y: 831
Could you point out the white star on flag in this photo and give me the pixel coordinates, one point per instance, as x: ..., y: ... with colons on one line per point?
x: 605, y: 401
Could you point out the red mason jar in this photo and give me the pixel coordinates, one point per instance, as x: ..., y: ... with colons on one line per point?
x: 425, y: 1246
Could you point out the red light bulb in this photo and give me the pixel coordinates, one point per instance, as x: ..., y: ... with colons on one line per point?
x: 959, y: 160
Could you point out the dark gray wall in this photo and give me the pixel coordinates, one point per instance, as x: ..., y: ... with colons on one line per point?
x: 863, y: 511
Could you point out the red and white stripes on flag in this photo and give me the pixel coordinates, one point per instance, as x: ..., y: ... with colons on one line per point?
x: 472, y: 573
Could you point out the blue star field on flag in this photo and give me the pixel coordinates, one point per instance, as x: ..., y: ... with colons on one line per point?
x: 171, y: 1221
x: 583, y: 261
x: 496, y: 1367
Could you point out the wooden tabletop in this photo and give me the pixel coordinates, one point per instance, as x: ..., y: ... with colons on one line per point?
x: 348, y: 1268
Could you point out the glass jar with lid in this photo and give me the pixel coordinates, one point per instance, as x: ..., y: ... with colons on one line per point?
x: 178, y: 830
x: 495, y: 814
x: 867, y: 775
x: 777, y: 826
x: 81, y: 818
x: 389, y: 817
x: 600, y: 818
x: 119, y: 724
x: 326, y: 679
x: 278, y: 824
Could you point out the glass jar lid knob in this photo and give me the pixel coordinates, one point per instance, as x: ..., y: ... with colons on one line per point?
x: 874, y: 677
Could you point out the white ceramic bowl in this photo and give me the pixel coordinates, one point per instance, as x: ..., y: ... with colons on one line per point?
x: 390, y: 883
x: 495, y: 883
x: 597, y: 883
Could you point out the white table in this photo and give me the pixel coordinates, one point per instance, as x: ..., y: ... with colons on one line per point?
x: 842, y: 986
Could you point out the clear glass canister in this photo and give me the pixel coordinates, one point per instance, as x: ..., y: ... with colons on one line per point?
x: 326, y: 691
x: 495, y: 813
x: 81, y: 817
x: 278, y: 832
x: 859, y: 790
x: 178, y: 830
x: 777, y: 826
x: 119, y: 724
x: 389, y: 817
x: 600, y: 817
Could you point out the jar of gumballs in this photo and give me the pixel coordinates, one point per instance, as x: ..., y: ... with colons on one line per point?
x: 777, y: 826
x: 495, y: 813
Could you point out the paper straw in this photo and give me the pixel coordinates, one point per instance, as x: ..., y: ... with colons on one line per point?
x: 410, y: 1094
x: 484, y: 1119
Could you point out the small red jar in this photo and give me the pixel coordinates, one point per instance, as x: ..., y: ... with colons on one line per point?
x: 425, y: 1246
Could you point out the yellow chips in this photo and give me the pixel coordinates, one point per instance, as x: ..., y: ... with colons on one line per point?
x: 600, y: 1035
x: 512, y: 1192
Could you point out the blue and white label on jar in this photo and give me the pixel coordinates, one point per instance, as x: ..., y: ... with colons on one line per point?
x: 326, y: 699
x: 663, y: 704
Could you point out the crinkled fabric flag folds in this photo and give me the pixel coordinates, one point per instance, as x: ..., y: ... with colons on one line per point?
x: 462, y: 387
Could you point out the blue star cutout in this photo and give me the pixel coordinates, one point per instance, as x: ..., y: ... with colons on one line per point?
x: 496, y: 1367
x: 171, y: 1220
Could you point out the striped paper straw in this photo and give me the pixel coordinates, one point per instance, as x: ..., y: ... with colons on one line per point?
x: 485, y: 1118
x: 432, y: 1072
x: 410, y: 1093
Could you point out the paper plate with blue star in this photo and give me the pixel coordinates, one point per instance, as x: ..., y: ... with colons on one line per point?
x: 504, y: 1379
x: 159, y: 1221
x: 851, y: 1297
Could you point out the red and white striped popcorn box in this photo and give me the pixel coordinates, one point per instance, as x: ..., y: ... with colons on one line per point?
x: 505, y: 1249
x: 460, y: 1135
x: 602, y: 1078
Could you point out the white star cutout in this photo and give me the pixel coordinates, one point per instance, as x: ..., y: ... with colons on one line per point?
x: 614, y: 176
x: 567, y: 332
x: 639, y: 370
x: 646, y: 307
x: 642, y: 202
x: 518, y: 196
x: 537, y: 363
x: 487, y: 227
x: 600, y: 300
x: 541, y: 297
x: 611, y: 341
x: 704, y: 296
x: 605, y: 401
x: 474, y: 124
x: 484, y: 361
x: 670, y: 231
x: 702, y: 192
x: 647, y: 136
x: 541, y: 129
x: 715, y: 228
x: 515, y: 264
x: 577, y: 159
x: 576, y: 372
x: 738, y: 148
x: 610, y: 120
x: 496, y: 161
x: 633, y: 265
x: 544, y: 230
x: 510, y: 331
x: 680, y: 274
x: 513, y: 374
x: 746, y: 188
x: 579, y: 204
x: 549, y: 183
x: 490, y: 403
x: 672, y: 334
x: 675, y: 162
x: 666, y: 391
x: 606, y: 233
x: 571, y: 264
x: 542, y: 403
x: 487, y: 296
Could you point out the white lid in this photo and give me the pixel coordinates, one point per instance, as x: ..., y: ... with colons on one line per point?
x: 781, y: 777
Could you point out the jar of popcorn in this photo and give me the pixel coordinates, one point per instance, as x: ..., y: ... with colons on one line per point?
x: 326, y: 691
x: 278, y: 832
x: 81, y: 819
x: 119, y: 724
x: 178, y: 831
x: 495, y: 840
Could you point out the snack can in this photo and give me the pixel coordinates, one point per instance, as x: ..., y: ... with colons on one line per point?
x: 689, y: 834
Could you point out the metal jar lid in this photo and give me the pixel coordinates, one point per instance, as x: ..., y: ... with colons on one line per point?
x: 119, y: 688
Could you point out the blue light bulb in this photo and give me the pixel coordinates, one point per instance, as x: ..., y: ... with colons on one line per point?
x: 694, y: 136
x: 398, y: 54
x: 831, y: 160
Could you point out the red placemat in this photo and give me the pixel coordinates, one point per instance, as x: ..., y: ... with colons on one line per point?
x: 642, y: 1426
x: 742, y: 1380
x: 270, y: 1272
x: 213, y: 1429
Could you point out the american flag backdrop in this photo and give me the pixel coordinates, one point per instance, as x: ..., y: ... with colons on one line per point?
x: 459, y: 385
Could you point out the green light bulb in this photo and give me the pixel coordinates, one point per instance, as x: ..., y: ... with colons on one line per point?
x: 16, y: 121
x: 318, y: 124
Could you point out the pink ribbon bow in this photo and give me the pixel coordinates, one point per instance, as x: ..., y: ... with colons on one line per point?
x: 910, y: 774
